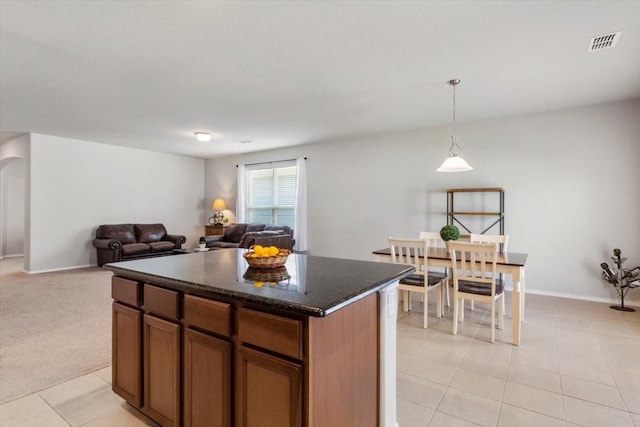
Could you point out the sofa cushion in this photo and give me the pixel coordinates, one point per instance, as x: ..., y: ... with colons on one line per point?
x: 283, y: 241
x: 135, y: 249
x: 147, y: 233
x: 162, y: 246
x: 234, y: 233
x: 249, y: 237
x: 124, y: 233
x: 252, y: 228
x: 222, y: 244
x: 285, y: 228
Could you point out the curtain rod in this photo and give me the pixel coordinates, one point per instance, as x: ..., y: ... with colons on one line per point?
x: 268, y: 163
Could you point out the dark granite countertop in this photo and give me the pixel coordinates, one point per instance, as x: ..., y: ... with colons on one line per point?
x: 316, y: 286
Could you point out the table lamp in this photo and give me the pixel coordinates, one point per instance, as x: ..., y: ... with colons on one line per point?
x: 217, y: 207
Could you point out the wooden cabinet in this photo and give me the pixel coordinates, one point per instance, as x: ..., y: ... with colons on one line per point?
x: 213, y: 230
x: 268, y: 387
x: 274, y: 333
x: 192, y: 361
x: 161, y: 370
x: 161, y: 334
x: 207, y: 368
x: 207, y: 380
x: 126, y: 346
x: 268, y: 390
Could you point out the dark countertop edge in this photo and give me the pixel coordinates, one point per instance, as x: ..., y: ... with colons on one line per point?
x: 207, y: 291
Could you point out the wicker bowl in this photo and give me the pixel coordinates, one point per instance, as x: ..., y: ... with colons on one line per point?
x: 267, y: 262
x: 277, y: 274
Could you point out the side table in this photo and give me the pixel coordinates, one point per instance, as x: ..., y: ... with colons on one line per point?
x: 214, y: 230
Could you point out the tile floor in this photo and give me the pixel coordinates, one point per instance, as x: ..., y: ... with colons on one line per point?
x: 578, y: 365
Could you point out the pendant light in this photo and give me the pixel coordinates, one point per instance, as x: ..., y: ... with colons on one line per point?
x: 455, y: 162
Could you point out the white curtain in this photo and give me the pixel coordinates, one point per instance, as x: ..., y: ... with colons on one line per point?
x: 300, y: 231
x: 241, y: 197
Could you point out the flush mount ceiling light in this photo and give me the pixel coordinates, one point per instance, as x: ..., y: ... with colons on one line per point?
x: 455, y: 162
x: 203, y: 136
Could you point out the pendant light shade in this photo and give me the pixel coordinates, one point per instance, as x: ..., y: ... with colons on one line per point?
x: 455, y: 162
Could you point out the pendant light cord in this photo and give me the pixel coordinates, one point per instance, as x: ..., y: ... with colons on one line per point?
x: 455, y: 149
x: 454, y: 109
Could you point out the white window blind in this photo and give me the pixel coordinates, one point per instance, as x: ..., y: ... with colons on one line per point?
x: 271, y: 195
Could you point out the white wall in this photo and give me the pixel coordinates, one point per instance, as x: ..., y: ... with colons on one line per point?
x: 77, y: 185
x: 571, y: 178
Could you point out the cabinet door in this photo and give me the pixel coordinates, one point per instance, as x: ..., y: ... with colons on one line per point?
x: 207, y: 384
x: 162, y: 370
x: 268, y: 390
x: 126, y: 348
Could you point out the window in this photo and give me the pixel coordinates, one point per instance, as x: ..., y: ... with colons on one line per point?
x: 271, y: 195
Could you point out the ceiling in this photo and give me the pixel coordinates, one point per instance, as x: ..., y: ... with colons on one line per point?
x: 148, y: 74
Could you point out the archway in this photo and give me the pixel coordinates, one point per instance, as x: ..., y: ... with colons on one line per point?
x: 12, y: 207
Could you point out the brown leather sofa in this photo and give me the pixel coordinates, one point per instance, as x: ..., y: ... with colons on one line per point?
x: 246, y: 235
x: 122, y: 242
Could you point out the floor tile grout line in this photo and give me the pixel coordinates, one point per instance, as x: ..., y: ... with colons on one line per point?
x: 52, y: 408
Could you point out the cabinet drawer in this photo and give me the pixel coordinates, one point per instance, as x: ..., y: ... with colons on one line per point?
x: 126, y: 291
x: 270, y: 332
x: 162, y: 302
x: 211, y: 316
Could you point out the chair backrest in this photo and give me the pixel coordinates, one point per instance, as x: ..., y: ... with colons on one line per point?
x: 474, y: 262
x: 433, y: 239
x: 409, y: 251
x: 500, y: 239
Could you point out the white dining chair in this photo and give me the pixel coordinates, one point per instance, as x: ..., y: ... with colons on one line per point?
x: 502, y: 240
x: 474, y: 277
x: 414, y: 252
x: 435, y: 241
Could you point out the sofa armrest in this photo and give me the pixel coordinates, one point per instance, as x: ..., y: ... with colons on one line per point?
x: 177, y: 239
x: 107, y: 244
x: 211, y: 239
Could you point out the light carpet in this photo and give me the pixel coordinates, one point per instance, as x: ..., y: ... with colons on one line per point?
x: 53, y: 326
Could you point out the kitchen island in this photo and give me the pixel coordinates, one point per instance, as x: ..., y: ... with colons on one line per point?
x: 202, y: 339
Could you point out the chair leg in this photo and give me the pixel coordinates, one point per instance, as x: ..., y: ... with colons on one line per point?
x: 501, y: 314
x: 522, y: 295
x: 461, y: 310
x: 439, y: 302
x: 455, y: 314
x: 472, y: 306
x: 425, y: 307
x: 405, y: 300
x: 446, y: 290
x: 493, y: 321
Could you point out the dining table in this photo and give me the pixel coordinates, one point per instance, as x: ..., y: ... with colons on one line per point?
x: 511, y: 263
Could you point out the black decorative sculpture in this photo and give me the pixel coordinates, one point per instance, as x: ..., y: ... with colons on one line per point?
x: 622, y: 279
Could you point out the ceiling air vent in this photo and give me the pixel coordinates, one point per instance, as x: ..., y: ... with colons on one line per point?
x: 604, y: 41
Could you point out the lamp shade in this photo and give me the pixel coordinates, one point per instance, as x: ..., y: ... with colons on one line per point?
x: 218, y: 205
x: 454, y: 164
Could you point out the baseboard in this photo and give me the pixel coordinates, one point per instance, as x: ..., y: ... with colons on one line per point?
x: 580, y: 297
x: 51, y: 270
x: 11, y: 256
